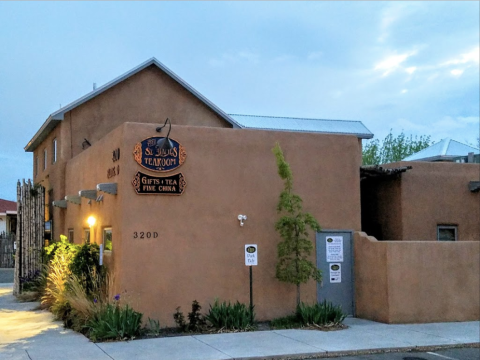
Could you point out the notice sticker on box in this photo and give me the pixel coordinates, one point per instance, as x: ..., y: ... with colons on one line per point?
x: 335, y: 273
x: 334, y: 248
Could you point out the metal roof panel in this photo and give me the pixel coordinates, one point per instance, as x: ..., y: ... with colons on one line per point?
x: 342, y: 127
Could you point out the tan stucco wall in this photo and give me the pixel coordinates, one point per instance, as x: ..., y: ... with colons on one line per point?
x: 437, y: 193
x: 411, y: 206
x: 417, y: 281
x: 149, y: 96
x: 200, y: 251
x: 371, y: 281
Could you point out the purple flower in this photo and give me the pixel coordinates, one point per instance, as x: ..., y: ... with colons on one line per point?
x: 117, y: 297
x: 94, y: 301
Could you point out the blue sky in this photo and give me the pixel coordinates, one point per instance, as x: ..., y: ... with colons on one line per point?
x: 411, y: 66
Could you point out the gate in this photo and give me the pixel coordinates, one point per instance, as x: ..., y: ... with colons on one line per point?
x: 7, y: 250
x: 335, y: 260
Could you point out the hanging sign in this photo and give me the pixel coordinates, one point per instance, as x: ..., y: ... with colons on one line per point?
x: 168, y: 185
x: 147, y: 154
x: 336, y: 273
x: 251, y: 255
x: 334, y: 248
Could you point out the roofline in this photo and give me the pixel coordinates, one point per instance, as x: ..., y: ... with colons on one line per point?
x: 360, y: 136
x: 57, y: 116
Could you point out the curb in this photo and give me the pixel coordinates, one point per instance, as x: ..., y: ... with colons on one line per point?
x: 334, y: 354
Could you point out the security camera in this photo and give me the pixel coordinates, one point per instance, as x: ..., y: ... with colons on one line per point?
x: 242, y: 218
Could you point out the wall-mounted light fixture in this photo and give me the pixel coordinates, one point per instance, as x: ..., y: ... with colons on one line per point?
x: 165, y: 143
x: 91, y: 222
x: 242, y: 218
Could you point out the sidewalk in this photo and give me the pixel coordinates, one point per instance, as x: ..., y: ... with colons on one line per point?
x: 27, y: 334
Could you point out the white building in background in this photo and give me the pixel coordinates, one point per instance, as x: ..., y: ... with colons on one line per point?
x: 8, y: 216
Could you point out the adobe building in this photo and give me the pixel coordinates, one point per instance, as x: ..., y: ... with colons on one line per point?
x: 171, y: 217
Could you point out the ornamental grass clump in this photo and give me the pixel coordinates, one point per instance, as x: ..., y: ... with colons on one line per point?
x: 112, y: 321
x: 324, y: 313
x: 230, y: 316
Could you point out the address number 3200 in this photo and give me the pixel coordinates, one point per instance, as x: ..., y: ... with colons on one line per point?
x: 145, y: 235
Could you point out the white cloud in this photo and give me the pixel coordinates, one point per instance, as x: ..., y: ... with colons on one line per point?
x: 469, y: 57
x: 404, y: 91
x: 456, y: 72
x: 393, y: 62
x: 411, y: 69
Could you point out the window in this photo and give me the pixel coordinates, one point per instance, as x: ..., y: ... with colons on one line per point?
x: 107, y: 238
x: 447, y: 232
x: 86, y: 235
x: 71, y: 237
x: 54, y: 151
x: 44, y: 159
x: 36, y: 166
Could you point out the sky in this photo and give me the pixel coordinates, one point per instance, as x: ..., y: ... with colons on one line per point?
x: 404, y: 66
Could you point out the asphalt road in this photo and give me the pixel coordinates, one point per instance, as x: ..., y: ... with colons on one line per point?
x: 6, y: 275
x: 468, y: 353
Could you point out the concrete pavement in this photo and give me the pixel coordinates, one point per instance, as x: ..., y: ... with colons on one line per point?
x: 31, y: 334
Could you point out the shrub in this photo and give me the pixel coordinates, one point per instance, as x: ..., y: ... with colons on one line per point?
x: 180, y: 319
x: 59, y: 271
x: 114, y: 322
x: 86, y: 267
x: 228, y: 316
x: 320, y: 313
x: 63, y: 245
x: 196, y: 321
x: 33, y: 285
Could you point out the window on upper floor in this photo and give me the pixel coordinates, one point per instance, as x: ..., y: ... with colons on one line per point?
x: 35, y: 170
x: 54, y: 151
x: 44, y: 159
x: 447, y: 232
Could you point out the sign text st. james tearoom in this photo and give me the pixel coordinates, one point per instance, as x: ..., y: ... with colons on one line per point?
x: 152, y: 157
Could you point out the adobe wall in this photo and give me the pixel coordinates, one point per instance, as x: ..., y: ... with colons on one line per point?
x: 371, y: 280
x: 149, y: 96
x: 417, y: 281
x: 199, y: 253
x: 437, y: 193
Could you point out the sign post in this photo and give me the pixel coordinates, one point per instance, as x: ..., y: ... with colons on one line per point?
x: 251, y: 259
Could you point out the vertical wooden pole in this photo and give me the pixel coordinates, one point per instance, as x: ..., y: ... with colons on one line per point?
x: 18, y: 239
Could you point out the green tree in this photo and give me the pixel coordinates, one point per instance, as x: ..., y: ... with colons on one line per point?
x: 293, y: 264
x: 393, y: 148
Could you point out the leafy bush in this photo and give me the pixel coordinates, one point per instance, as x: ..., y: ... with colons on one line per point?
x: 62, y: 245
x: 33, y: 285
x: 86, y: 267
x: 320, y: 313
x: 196, y: 322
x: 180, y: 319
x: 228, y: 316
x: 114, y: 322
